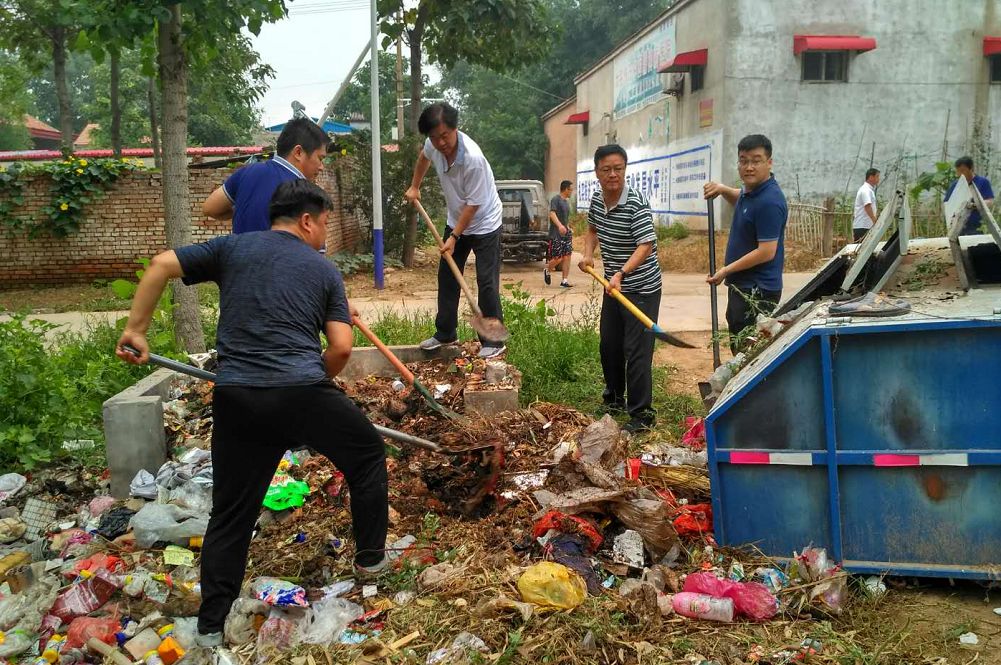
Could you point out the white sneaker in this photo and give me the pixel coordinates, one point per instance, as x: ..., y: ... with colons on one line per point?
x: 365, y: 572
x: 208, y: 640
x: 432, y: 343
x: 491, y: 351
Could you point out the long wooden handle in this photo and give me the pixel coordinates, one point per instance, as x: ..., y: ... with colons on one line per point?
x: 407, y: 375
x: 116, y: 656
x: 644, y: 319
x: 449, y: 260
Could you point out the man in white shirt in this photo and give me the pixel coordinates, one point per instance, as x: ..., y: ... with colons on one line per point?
x: 474, y: 220
x: 865, y: 206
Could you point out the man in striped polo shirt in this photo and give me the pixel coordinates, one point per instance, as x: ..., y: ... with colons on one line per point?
x: 620, y: 222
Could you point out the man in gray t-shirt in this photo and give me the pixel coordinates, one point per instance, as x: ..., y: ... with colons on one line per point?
x: 273, y: 388
x: 560, y: 236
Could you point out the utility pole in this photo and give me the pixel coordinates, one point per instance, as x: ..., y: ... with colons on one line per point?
x: 376, y: 154
x: 399, y: 88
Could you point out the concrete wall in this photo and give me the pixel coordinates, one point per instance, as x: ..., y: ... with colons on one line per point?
x: 126, y: 224
x: 928, y: 65
x: 561, y: 156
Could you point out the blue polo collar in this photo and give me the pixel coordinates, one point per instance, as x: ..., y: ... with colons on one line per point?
x: 288, y: 165
x: 760, y: 188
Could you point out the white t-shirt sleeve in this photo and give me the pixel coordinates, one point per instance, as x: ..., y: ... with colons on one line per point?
x: 861, y: 198
x: 871, y: 195
x: 481, y: 188
x: 428, y: 148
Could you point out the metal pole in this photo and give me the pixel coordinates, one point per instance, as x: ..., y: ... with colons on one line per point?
x: 376, y: 155
x: 712, y: 287
x: 344, y: 85
x: 399, y: 88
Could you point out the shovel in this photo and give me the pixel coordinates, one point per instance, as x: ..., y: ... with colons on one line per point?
x: 199, y: 373
x: 658, y: 332
x: 407, y: 375
x: 487, y: 328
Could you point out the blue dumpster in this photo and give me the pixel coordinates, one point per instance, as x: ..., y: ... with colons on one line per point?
x: 879, y: 439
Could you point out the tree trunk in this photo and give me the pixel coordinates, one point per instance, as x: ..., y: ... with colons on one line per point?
x: 415, y: 35
x: 116, y: 107
x: 58, y: 36
x: 176, y: 197
x: 154, y: 123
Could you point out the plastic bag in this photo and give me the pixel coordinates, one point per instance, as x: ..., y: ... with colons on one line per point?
x: 85, y: 597
x: 752, y: 600
x: 570, y: 524
x: 192, y: 496
x: 115, y: 522
x: 143, y: 485
x: 279, y: 593
x: 327, y: 619
x: 99, y: 561
x: 277, y: 633
x: 83, y: 628
x: 548, y: 584
x: 166, y: 522
x: 11, y: 529
x: 25, y: 610
x: 15, y: 642
x: 693, y: 520
x: 185, y: 631
x: 240, y: 622
x: 10, y: 485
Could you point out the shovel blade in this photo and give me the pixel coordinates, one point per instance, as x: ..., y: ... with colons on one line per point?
x: 667, y: 337
x: 489, y: 328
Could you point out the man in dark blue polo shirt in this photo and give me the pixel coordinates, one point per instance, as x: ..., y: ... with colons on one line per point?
x: 964, y: 169
x: 245, y: 195
x: 754, y: 253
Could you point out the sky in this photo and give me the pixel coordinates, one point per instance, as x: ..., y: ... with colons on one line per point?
x: 311, y: 51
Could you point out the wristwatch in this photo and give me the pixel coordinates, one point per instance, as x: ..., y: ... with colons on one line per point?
x: 624, y: 273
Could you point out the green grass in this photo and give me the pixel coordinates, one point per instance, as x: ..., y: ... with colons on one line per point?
x: 675, y: 231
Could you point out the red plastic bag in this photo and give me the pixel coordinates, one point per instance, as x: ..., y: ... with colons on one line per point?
x: 568, y: 524
x: 695, y: 437
x: 99, y: 561
x: 83, y: 628
x: 694, y: 520
x: 751, y: 600
x: 85, y: 597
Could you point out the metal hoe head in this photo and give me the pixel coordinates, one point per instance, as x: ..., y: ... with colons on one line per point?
x: 489, y: 328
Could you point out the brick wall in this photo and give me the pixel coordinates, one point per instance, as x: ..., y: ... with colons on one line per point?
x: 127, y: 223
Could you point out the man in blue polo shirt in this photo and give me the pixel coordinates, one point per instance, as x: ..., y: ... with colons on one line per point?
x: 754, y: 253
x: 245, y: 195
x: 964, y: 169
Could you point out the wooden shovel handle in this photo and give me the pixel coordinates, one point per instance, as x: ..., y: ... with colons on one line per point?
x: 407, y: 375
x: 633, y: 309
x: 449, y: 260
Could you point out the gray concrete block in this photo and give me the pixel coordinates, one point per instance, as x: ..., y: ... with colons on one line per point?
x: 369, y: 361
x: 490, y: 402
x: 133, y: 430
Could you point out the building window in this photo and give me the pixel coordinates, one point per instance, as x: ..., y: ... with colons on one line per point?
x: 827, y: 66
x: 698, y: 75
x: 996, y: 68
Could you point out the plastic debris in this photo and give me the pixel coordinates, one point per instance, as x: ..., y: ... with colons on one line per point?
x: 494, y: 607
x: 628, y: 549
x: 439, y: 574
x: 703, y: 606
x: 143, y: 485
x: 279, y: 593
x: 751, y: 600
x: 10, y: 485
x: 552, y: 585
x: 873, y: 586
x: 157, y: 522
x: 241, y: 621
x: 458, y: 653
x: 11, y: 529
x: 38, y: 515
x: 969, y: 639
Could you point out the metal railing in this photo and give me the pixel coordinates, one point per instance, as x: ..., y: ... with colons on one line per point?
x: 806, y: 225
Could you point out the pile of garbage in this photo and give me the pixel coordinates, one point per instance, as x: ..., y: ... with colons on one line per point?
x: 577, y: 524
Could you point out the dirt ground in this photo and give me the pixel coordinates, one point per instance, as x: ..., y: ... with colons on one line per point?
x: 691, y: 254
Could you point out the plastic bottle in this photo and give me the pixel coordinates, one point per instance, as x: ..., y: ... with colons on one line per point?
x: 169, y: 650
x: 702, y: 606
x: 152, y: 658
x: 165, y: 631
x: 53, y: 648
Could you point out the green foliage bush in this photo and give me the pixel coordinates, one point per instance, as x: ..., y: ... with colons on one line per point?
x: 675, y: 231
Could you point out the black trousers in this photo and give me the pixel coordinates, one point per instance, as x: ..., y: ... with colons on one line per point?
x: 742, y: 309
x: 252, y: 428
x: 626, y: 350
x: 858, y: 234
x: 488, y: 264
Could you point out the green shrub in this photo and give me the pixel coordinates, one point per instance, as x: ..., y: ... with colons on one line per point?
x: 675, y: 231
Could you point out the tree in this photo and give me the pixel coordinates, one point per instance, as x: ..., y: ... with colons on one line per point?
x: 34, y: 27
x: 497, y: 34
x: 14, y: 103
x: 357, y: 97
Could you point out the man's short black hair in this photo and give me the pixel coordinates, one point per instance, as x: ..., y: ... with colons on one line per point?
x: 964, y: 161
x: 870, y: 173
x: 293, y: 198
x: 436, y: 114
x: 565, y: 185
x: 301, y: 131
x: 752, y: 141
x: 610, y: 149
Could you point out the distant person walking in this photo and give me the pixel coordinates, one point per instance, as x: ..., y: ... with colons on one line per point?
x: 964, y: 169
x: 246, y: 194
x: 755, y: 250
x: 560, y: 236
x: 474, y: 221
x: 865, y: 206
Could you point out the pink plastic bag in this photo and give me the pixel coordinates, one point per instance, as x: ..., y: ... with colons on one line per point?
x: 751, y: 600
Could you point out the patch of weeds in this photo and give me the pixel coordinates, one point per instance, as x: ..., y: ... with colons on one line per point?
x: 926, y: 273
x: 349, y: 263
x: 675, y: 231
x: 952, y: 633
x: 514, y: 641
x: 429, y: 527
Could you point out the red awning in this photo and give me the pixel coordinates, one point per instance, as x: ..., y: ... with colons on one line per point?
x: 992, y: 45
x: 802, y: 43
x: 683, y: 62
x: 578, y: 118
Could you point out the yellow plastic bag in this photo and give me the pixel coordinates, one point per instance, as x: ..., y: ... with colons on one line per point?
x: 552, y: 585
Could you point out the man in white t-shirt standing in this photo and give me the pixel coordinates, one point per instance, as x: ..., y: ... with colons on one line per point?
x: 865, y: 206
x: 474, y: 220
